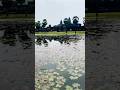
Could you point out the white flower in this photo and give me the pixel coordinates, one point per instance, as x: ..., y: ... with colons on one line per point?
x: 55, y: 88
x: 73, y: 77
x: 69, y: 87
x: 76, y: 85
x: 58, y: 85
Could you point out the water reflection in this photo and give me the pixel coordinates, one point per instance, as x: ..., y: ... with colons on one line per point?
x: 61, y: 39
x: 60, y: 62
x: 97, y: 30
x: 17, y: 55
x: 101, y: 46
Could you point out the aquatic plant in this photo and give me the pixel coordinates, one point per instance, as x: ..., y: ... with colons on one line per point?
x: 59, y: 69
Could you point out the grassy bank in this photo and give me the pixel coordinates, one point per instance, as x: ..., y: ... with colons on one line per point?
x: 16, y: 17
x: 106, y: 15
x: 4, y: 16
x: 59, y: 33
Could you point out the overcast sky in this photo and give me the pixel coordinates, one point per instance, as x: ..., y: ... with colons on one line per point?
x: 55, y: 10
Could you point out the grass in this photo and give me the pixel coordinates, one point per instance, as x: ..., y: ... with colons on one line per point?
x: 59, y: 33
x: 3, y: 16
x: 106, y: 15
x: 16, y: 17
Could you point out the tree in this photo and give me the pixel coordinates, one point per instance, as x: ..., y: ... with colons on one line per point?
x: 20, y: 2
x: 69, y: 20
x: 66, y: 22
x: 61, y: 26
x: 37, y: 25
x: 75, y: 20
x: 44, y: 23
x: 49, y: 28
x: 7, y: 5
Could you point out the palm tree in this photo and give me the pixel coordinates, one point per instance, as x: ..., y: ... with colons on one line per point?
x: 75, y: 21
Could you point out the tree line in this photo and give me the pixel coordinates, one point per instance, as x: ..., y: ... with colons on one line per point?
x: 102, y: 5
x: 17, y: 6
x: 65, y: 25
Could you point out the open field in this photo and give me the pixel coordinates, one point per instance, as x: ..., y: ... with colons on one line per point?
x: 59, y: 33
x: 106, y: 15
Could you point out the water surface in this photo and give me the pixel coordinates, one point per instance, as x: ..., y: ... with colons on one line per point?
x: 60, y: 63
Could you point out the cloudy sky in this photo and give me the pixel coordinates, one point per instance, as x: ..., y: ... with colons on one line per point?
x: 55, y: 10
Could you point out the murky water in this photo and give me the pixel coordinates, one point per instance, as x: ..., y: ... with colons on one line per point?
x: 102, y: 54
x: 16, y: 56
x: 60, y: 63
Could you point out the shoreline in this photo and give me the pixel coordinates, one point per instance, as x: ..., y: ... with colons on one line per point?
x: 59, y: 33
x: 103, y: 16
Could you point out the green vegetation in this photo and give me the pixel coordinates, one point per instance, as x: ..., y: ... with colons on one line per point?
x: 59, y: 33
x: 65, y: 25
x: 106, y: 15
x: 16, y: 16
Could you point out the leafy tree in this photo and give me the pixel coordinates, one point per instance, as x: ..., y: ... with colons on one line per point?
x: 66, y: 22
x: 61, y: 26
x: 44, y: 23
x: 49, y: 28
x: 37, y: 25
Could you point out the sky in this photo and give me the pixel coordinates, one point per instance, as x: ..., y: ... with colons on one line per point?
x: 56, y: 10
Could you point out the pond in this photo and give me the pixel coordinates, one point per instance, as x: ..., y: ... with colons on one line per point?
x: 17, y: 55
x: 60, y: 62
x: 101, y: 45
